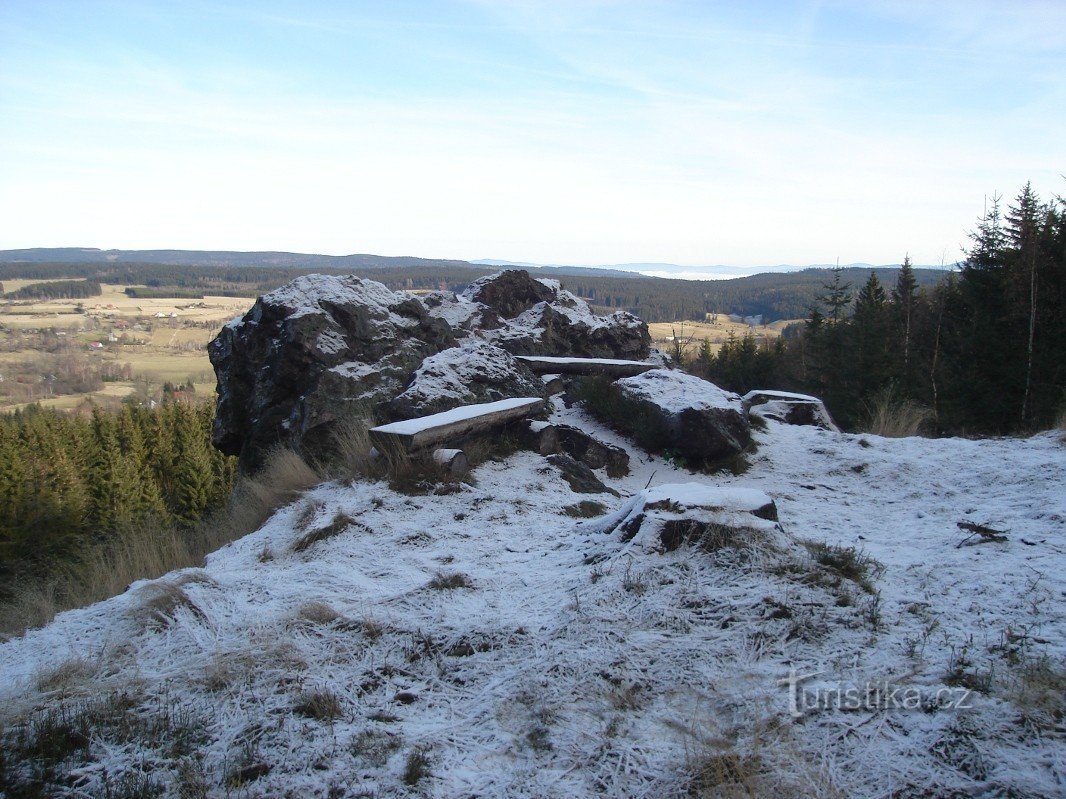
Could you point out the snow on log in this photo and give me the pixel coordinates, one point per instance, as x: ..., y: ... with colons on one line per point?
x: 427, y: 431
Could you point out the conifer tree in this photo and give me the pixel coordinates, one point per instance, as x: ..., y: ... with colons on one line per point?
x: 904, y: 301
x: 192, y: 467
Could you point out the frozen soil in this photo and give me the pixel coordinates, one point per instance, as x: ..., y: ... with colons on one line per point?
x: 480, y: 641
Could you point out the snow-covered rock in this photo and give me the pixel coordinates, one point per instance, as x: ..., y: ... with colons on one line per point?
x: 670, y: 409
x: 528, y: 316
x: 307, y: 354
x: 790, y: 408
x: 473, y: 372
x: 663, y: 518
x: 591, y: 451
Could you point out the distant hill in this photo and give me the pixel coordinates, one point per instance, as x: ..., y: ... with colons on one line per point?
x: 781, y: 292
x: 270, y: 259
x: 91, y: 255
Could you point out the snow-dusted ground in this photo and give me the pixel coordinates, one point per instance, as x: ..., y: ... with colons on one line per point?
x: 571, y: 665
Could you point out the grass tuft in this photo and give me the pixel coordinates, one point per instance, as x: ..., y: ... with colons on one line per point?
x: 890, y: 416
x: 416, y: 768
x: 444, y: 581
x: 321, y: 705
x: 154, y: 549
x: 847, y: 562
x: 585, y: 509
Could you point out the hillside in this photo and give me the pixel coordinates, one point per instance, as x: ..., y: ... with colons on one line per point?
x: 477, y: 641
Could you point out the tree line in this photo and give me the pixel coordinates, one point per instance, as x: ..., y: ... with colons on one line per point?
x: 774, y: 295
x: 68, y: 482
x: 56, y: 290
x: 983, y: 351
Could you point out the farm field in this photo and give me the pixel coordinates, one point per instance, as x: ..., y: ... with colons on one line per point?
x: 663, y: 333
x: 131, y: 344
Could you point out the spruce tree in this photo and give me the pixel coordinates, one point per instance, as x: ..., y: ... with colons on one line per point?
x: 904, y: 301
x: 870, y: 337
x: 192, y: 467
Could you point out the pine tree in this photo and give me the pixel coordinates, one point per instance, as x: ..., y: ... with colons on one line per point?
x: 192, y: 468
x: 149, y: 502
x: 1024, y: 231
x: 869, y: 336
x: 904, y: 300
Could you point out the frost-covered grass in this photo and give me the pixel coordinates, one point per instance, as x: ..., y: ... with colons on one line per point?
x: 562, y: 662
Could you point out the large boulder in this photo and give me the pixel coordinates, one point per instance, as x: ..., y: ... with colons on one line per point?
x: 511, y: 292
x: 309, y: 354
x: 528, y: 316
x: 473, y: 372
x: 790, y: 408
x: 672, y: 410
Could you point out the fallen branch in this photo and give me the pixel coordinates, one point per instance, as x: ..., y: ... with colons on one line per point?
x: 983, y: 534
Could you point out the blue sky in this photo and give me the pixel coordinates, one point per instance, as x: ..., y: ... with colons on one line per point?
x: 738, y: 133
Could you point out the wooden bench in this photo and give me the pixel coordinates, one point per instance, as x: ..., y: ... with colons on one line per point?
x: 431, y: 431
x: 550, y: 364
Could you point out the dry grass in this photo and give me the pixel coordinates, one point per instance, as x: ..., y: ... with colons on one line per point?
x: 741, y: 754
x: 340, y: 523
x: 1039, y: 692
x: 153, y: 550
x: 892, y: 417
x: 318, y: 613
x: 445, y: 581
x: 352, y: 447
x: 416, y: 768
x: 321, y: 705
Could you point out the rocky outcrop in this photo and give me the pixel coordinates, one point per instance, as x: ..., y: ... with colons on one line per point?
x: 672, y: 410
x: 511, y: 292
x: 306, y: 355
x: 473, y: 372
x: 527, y: 316
x: 719, y: 519
x: 790, y: 408
x: 324, y: 347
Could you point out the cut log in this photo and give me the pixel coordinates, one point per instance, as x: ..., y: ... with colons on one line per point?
x: 546, y: 364
x: 452, y: 461
x: 553, y: 384
x: 428, y: 431
x: 541, y: 437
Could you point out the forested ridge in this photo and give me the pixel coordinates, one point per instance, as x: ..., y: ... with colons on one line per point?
x: 983, y: 351
x: 777, y: 295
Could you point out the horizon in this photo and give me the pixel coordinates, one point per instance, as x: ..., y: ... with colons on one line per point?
x: 665, y: 270
x: 590, y: 134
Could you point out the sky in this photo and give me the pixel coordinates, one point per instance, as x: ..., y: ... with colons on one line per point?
x: 569, y: 132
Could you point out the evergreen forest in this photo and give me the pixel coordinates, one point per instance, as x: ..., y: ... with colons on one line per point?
x: 983, y: 351
x: 69, y: 482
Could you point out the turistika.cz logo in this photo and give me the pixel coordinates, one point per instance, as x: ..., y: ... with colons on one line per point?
x: 870, y: 696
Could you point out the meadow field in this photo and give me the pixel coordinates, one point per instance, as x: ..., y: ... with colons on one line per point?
x: 58, y: 352
x: 693, y: 333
